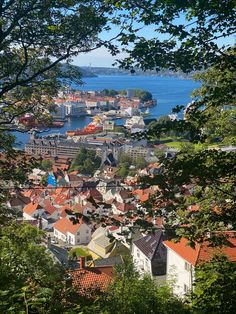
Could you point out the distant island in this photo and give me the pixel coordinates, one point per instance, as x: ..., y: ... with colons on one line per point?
x: 88, y: 71
x: 117, y: 71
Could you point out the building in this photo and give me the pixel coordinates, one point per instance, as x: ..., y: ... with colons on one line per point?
x: 75, y: 109
x: 67, y: 148
x: 183, y: 259
x: 108, y: 125
x: 136, y: 150
x: 101, y: 245
x: 149, y: 254
x: 136, y: 121
x: 59, y: 111
x: 67, y: 231
x: 90, y: 281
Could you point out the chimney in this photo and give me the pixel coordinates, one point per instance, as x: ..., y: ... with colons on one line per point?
x: 82, y: 262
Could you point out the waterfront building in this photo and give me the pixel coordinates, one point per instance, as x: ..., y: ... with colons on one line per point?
x: 136, y: 121
x: 59, y: 111
x: 75, y: 108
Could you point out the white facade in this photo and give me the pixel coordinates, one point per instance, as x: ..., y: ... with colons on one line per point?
x: 135, y: 120
x: 179, y: 273
x: 140, y: 260
x: 28, y: 217
x: 82, y: 236
x: 74, y: 109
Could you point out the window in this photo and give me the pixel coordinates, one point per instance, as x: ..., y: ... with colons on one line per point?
x: 138, y: 253
x: 186, y: 288
x: 87, y: 231
x: 187, y: 266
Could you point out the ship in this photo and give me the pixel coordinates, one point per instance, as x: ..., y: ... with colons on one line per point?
x: 145, y: 113
x: 91, y: 128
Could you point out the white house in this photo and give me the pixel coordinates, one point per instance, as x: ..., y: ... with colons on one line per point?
x: 31, y: 211
x: 149, y: 254
x: 74, y: 234
x: 182, y: 260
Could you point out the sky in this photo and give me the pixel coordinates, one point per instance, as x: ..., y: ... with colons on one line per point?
x: 102, y: 58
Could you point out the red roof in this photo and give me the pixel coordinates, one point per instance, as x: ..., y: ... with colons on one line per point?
x: 203, y: 252
x: 49, y: 208
x: 31, y: 208
x: 124, y: 207
x: 90, y: 280
x: 65, y: 225
x: 143, y: 195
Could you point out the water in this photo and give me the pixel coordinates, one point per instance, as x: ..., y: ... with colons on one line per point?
x: 168, y: 92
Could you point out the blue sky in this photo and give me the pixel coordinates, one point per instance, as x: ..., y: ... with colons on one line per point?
x: 102, y: 58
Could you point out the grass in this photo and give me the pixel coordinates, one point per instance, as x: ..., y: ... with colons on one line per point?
x: 78, y: 251
x: 176, y: 145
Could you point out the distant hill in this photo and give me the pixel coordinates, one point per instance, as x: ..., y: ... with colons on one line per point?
x: 116, y: 71
x: 84, y: 71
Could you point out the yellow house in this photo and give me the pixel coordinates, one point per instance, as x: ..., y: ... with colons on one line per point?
x: 101, y: 246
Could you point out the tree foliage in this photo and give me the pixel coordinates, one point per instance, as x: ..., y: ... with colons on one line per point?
x: 215, y: 289
x: 46, y: 165
x: 30, y: 281
x: 143, y: 95
x: 131, y: 294
x: 86, y: 162
x: 187, y: 37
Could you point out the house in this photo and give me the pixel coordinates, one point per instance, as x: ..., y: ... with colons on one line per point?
x: 105, y: 185
x: 18, y: 201
x: 67, y: 231
x: 89, y: 281
x: 103, y: 245
x: 149, y: 254
x: 183, y: 259
x: 122, y: 208
x: 31, y: 211
x: 123, y: 196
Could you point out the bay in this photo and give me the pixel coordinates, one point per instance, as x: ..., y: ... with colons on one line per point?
x: 168, y: 91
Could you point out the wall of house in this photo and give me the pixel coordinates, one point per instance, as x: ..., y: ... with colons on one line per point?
x: 71, y: 238
x: 57, y: 234
x: 83, y: 235
x: 141, y: 262
x: 179, y: 272
x: 28, y: 217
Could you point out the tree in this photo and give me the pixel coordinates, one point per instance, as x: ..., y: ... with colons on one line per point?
x: 215, y: 287
x: 35, y: 37
x: 187, y: 34
x: 86, y: 162
x: 110, y: 92
x: 30, y: 281
x: 143, y: 95
x: 46, y: 165
x: 192, y: 45
x: 130, y: 294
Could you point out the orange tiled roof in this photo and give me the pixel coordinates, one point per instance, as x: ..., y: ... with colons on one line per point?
x: 31, y: 208
x: 203, y: 252
x: 91, y: 280
x: 49, y: 207
x: 65, y: 225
